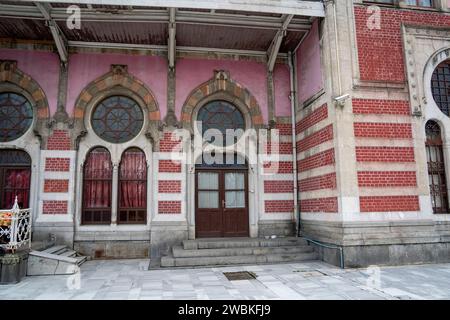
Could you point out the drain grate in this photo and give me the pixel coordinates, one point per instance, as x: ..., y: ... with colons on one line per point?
x: 241, y: 275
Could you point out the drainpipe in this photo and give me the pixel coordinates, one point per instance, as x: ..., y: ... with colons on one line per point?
x: 294, y: 141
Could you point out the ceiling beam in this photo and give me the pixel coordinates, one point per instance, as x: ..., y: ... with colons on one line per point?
x: 274, y: 48
x: 160, y: 16
x: 171, y: 41
x: 58, y: 36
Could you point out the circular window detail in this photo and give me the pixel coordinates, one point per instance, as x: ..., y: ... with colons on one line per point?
x: 440, y: 86
x: 225, y: 118
x: 117, y: 119
x: 16, y: 116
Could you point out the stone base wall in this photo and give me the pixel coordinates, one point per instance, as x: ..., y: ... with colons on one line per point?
x: 381, y: 243
x: 113, y: 249
x: 278, y: 228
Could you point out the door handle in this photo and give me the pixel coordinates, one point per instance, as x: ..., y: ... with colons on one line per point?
x: 223, y: 203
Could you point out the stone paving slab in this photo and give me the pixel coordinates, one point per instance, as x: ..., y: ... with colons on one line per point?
x: 130, y: 279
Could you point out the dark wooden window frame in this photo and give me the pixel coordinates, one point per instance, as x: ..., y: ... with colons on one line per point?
x: 20, y: 161
x: 129, y: 209
x: 438, y: 189
x: 104, y: 211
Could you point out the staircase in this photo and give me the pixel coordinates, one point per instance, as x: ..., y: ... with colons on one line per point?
x: 238, y: 251
x: 54, y: 260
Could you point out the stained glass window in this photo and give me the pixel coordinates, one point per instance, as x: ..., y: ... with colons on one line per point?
x: 117, y: 119
x: 440, y: 86
x: 221, y: 116
x: 16, y: 116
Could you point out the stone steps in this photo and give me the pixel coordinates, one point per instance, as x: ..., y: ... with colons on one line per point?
x: 54, y: 260
x: 179, y: 252
x: 238, y: 251
x: 216, y: 243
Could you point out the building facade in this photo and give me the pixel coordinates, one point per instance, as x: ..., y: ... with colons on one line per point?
x: 343, y: 108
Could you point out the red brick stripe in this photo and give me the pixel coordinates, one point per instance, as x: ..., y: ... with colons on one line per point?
x: 319, y: 137
x: 56, y: 185
x: 169, y: 186
x: 272, y: 206
x: 166, y: 207
x: 278, y: 186
x: 169, y: 166
x: 387, y: 179
x: 169, y: 143
x: 57, y: 164
x: 374, y: 106
x: 54, y: 207
x: 59, y: 140
x: 318, y: 160
x: 326, y: 181
x: 316, y: 116
x: 278, y: 167
x: 384, y: 154
x: 389, y: 203
x: 383, y: 130
x: 319, y: 205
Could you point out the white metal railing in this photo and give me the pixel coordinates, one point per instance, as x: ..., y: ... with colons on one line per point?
x: 15, y: 228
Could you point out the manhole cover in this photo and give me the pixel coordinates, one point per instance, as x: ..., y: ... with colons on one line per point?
x: 241, y: 275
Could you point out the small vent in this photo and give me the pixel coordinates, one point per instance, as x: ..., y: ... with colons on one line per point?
x: 241, y: 275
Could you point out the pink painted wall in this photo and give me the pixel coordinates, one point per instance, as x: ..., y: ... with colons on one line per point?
x: 308, y: 65
x: 42, y: 66
x: 281, y: 79
x: 86, y: 67
x: 193, y: 72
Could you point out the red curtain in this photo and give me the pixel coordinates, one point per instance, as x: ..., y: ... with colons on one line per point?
x: 17, y: 183
x: 133, y: 180
x: 97, y: 179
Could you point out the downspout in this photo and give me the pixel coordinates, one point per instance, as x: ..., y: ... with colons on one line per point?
x: 294, y: 141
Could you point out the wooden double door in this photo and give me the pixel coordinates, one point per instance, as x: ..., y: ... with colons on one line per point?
x: 221, y: 203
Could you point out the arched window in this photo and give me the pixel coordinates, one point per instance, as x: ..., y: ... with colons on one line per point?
x: 132, y: 187
x: 436, y: 168
x: 117, y: 119
x: 16, y: 116
x: 15, y: 175
x: 220, y: 115
x: 440, y: 86
x: 97, y: 185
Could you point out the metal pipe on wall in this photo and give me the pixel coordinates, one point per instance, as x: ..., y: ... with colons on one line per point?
x: 292, y: 97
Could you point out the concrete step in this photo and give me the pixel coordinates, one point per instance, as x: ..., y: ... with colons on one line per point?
x: 53, y: 261
x: 55, y: 249
x: 68, y: 253
x: 180, y: 252
x: 218, y: 243
x: 170, y: 261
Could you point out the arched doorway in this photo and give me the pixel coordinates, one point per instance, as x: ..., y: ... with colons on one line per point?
x: 221, y: 197
x: 15, y: 176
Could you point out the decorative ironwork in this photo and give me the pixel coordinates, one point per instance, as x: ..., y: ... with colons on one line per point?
x: 117, y: 119
x: 440, y: 86
x: 15, y: 228
x: 222, y: 116
x: 436, y: 168
x: 16, y: 116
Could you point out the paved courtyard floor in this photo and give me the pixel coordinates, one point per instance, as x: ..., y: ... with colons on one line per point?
x: 130, y: 279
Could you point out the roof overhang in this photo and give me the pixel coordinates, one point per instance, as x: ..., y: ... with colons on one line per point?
x: 296, y: 7
x: 266, y: 28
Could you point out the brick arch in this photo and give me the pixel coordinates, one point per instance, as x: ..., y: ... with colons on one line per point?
x: 118, y: 76
x: 221, y: 83
x: 10, y: 73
